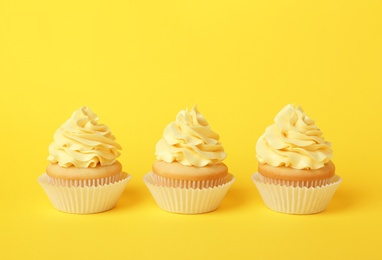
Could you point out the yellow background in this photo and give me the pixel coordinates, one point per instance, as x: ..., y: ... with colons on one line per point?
x: 136, y: 64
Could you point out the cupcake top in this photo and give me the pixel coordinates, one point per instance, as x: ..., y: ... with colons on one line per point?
x: 294, y: 140
x: 190, y: 141
x: 83, y: 143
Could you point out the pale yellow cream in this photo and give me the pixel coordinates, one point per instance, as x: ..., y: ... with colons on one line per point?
x: 190, y: 141
x: 294, y: 140
x: 83, y: 143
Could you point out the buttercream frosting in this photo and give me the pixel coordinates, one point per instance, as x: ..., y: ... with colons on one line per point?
x: 190, y: 141
x: 294, y: 140
x: 83, y: 143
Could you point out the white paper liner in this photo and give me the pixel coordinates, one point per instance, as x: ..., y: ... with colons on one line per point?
x: 84, y: 199
x: 163, y: 181
x: 83, y: 183
x: 296, y: 200
x: 187, y: 200
x: 308, y: 184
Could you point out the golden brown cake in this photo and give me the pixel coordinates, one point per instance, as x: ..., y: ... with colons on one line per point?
x: 179, y: 171
x: 287, y: 173
x: 304, y: 177
x: 73, y: 173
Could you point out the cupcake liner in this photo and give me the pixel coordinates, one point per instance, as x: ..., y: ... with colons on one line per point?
x: 83, y: 199
x: 308, y: 184
x: 163, y: 181
x: 83, y: 183
x: 187, y: 200
x: 295, y: 199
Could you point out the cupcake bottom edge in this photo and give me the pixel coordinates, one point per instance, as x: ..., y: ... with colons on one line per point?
x: 296, y: 200
x: 187, y: 200
x: 84, y: 200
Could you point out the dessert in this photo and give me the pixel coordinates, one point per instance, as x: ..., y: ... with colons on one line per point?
x: 190, y: 151
x: 189, y: 162
x: 294, y: 156
x: 84, y: 175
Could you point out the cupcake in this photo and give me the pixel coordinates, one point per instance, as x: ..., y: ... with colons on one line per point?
x: 83, y: 175
x: 295, y: 172
x: 189, y: 176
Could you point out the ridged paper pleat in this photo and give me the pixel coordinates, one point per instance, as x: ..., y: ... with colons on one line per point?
x: 294, y: 199
x: 187, y: 200
x: 84, y: 199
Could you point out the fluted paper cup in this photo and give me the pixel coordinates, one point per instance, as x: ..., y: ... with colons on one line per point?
x: 83, y: 198
x: 294, y: 199
x: 85, y: 182
x: 187, y: 200
x: 163, y: 181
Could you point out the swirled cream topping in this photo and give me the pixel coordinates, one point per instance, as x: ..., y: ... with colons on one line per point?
x: 190, y: 141
x: 294, y: 140
x: 83, y: 143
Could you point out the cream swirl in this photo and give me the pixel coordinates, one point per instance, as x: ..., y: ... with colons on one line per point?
x: 294, y: 140
x: 190, y: 141
x: 83, y: 143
